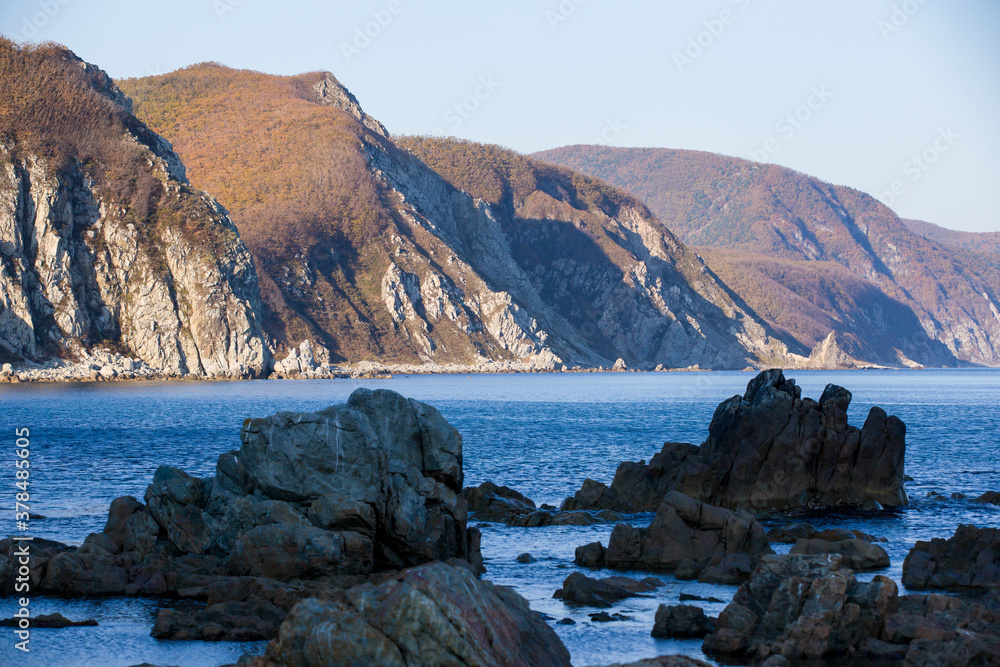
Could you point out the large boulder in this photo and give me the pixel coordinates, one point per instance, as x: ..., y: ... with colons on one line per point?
x: 429, y: 615
x: 969, y: 560
x: 770, y: 449
x: 801, y: 607
x: 371, y: 485
x: 683, y: 532
x: 812, y: 608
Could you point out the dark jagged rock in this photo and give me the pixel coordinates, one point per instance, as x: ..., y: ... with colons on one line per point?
x: 684, y: 531
x: 969, y: 560
x: 639, y: 487
x: 769, y: 449
x: 429, y: 615
x: 55, y: 620
x: 489, y: 502
x: 564, y: 518
x: 801, y: 607
x: 225, y: 621
x: 605, y: 617
x: 583, y: 590
x: 990, y: 497
x: 368, y: 486
x: 590, y: 555
x: 687, y: 597
x: 664, y: 661
x: 501, y: 504
x: 681, y: 622
x: 858, y: 555
x: 791, y: 533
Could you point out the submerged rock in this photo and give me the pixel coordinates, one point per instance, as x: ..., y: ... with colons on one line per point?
x: 664, y: 661
x: 226, y: 621
x: 969, y: 560
x: 426, y: 616
x: 55, y: 620
x: 583, y: 590
x: 769, y: 449
x: 684, y: 531
x: 990, y: 497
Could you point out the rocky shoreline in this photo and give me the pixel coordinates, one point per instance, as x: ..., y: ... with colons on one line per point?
x: 346, y: 536
x: 103, y: 366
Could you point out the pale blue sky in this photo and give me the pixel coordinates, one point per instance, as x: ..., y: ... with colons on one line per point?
x: 610, y: 72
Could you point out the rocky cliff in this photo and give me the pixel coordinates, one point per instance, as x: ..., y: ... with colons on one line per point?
x: 103, y: 243
x: 813, y: 258
x: 399, y: 249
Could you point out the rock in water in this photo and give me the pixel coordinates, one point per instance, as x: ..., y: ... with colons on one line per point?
x: 810, y: 608
x: 426, y: 616
x: 770, y: 449
x: 969, y: 560
x: 55, y: 620
x: 664, y: 661
x: 683, y: 531
x: 489, y: 502
x: 681, y: 622
x: 858, y: 555
x: 583, y: 590
x: 368, y: 486
x: 801, y: 607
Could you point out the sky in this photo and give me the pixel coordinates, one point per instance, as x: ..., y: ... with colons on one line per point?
x: 897, y: 98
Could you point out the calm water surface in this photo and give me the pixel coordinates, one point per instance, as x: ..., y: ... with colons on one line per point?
x: 541, y: 434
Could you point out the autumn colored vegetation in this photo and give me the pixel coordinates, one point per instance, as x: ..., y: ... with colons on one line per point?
x: 761, y: 213
x: 981, y: 242
x: 56, y: 108
x: 295, y: 177
x: 292, y: 171
x: 504, y: 177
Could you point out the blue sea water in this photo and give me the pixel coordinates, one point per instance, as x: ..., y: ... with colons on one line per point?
x: 542, y: 434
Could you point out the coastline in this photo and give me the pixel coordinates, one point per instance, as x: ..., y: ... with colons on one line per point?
x: 106, y: 367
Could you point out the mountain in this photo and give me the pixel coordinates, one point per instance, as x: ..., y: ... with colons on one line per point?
x: 408, y: 249
x: 103, y: 242
x: 815, y: 259
x: 982, y: 242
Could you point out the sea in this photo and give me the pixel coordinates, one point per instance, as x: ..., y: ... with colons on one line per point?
x: 542, y: 434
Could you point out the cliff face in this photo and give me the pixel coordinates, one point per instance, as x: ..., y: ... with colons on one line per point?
x: 815, y: 258
x: 157, y: 272
x: 602, y: 276
x: 396, y: 249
